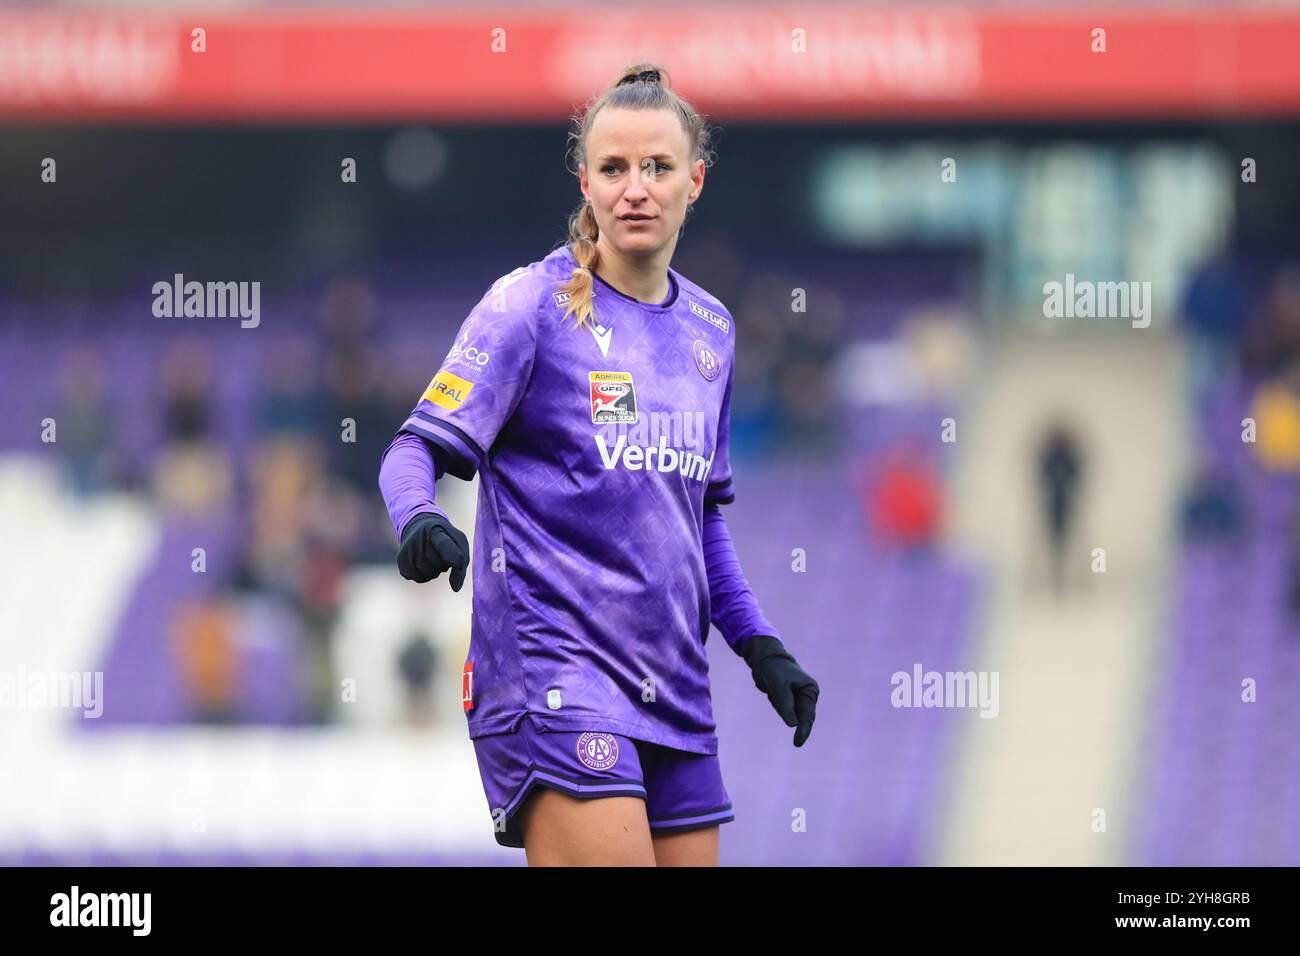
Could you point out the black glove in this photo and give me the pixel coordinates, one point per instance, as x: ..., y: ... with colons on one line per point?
x: 430, y: 545
x: 787, y: 685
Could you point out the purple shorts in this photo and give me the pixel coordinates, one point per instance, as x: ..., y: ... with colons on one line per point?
x: 682, y: 791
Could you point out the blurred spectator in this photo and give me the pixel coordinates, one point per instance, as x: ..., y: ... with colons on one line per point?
x: 941, y: 343
x: 807, y: 407
x: 353, y: 393
x: 1060, y: 475
x: 348, y: 314
x: 795, y: 351
x: 1215, y: 307
x: 289, y: 400
x: 903, y: 499
x: 319, y: 598
x: 208, y: 659
x: 754, y: 401
x: 281, y: 476
x: 1274, y: 340
x: 1276, y: 410
x: 1212, y: 509
x: 186, y: 381
x: 303, y: 528
x: 417, y: 664
x: 86, y: 423
x: 192, y: 474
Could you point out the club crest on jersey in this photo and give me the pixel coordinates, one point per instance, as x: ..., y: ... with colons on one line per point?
x: 613, y: 399
x: 598, y: 751
x: 708, y: 316
x: 707, y: 361
x: 467, y: 686
x: 447, y: 390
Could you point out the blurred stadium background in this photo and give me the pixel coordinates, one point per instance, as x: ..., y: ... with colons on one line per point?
x: 945, y: 456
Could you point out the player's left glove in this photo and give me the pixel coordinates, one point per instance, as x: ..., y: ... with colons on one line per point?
x: 788, y: 686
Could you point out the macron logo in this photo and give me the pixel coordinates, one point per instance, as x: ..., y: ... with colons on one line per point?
x: 642, y: 458
x: 603, y: 336
x: 708, y: 316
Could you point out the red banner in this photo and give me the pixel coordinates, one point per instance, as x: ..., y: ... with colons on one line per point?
x: 813, y: 62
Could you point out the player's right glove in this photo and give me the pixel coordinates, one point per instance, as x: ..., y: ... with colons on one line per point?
x: 430, y: 545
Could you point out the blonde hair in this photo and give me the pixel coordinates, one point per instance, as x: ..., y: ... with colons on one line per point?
x: 639, y: 87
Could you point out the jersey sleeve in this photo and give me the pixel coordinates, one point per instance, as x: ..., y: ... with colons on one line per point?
x: 479, y: 385
x: 719, y: 490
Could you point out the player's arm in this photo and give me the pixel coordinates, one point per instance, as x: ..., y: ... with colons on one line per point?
x: 734, y: 610
x: 429, y: 542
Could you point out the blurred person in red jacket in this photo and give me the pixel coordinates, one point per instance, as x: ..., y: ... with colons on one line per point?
x: 903, y: 498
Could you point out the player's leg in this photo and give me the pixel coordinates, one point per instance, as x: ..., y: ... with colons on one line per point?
x: 692, y: 848
x: 560, y: 830
x: 686, y: 803
x: 526, y: 770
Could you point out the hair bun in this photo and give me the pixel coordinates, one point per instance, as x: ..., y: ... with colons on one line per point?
x: 645, y: 76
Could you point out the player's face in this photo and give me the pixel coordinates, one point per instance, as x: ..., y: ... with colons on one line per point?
x: 639, y: 178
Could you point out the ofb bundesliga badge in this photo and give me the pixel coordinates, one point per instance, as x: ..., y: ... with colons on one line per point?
x: 613, y: 399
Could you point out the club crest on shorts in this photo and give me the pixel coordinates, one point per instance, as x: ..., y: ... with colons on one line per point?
x: 706, y: 360
x: 613, y: 399
x: 598, y: 751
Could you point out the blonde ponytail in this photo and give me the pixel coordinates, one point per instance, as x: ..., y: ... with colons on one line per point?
x: 582, y: 242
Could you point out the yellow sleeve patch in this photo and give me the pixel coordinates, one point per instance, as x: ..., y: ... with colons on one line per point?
x: 447, y: 390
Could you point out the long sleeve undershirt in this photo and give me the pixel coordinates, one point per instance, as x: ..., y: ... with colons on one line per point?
x: 409, y: 471
x: 733, y: 609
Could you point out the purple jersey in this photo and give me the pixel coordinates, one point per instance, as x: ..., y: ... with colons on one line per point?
x: 597, y: 449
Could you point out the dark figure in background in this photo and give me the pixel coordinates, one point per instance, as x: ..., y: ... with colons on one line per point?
x: 417, y: 665
x: 192, y: 473
x: 1060, y: 472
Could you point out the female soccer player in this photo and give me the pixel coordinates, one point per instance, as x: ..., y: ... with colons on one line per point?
x: 600, y: 552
